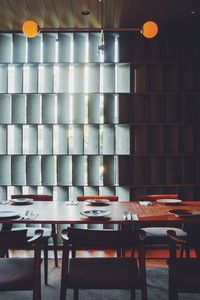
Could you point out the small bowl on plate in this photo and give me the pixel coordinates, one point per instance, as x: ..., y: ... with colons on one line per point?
x: 97, y: 202
x: 95, y: 213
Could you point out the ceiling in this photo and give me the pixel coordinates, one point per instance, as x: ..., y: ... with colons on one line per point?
x: 117, y: 14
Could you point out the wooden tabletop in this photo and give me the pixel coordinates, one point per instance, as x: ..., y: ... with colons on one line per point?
x: 59, y: 212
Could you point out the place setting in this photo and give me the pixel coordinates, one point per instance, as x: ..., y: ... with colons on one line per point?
x: 21, y: 201
x: 29, y: 215
x: 97, y: 202
x: 95, y: 213
x: 169, y: 201
x: 127, y: 215
x: 180, y: 213
x: 10, y: 214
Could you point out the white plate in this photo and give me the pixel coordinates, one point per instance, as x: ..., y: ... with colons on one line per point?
x: 184, y: 212
x: 169, y: 201
x: 95, y: 213
x: 98, y: 201
x: 8, y: 214
x: 21, y: 201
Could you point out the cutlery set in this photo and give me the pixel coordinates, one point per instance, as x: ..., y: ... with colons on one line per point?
x: 129, y: 216
x: 29, y: 215
x: 4, y: 202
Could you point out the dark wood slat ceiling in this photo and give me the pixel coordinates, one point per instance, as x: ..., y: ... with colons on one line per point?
x: 64, y: 14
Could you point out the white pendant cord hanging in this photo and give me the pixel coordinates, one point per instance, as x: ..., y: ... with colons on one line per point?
x: 101, y: 45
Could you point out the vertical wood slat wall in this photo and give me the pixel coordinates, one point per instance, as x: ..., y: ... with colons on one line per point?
x: 163, y: 113
x: 59, y: 117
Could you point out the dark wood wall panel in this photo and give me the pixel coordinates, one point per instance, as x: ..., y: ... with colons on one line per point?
x: 165, y: 121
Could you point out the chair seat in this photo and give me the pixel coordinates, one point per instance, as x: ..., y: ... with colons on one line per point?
x: 11, y: 278
x: 186, y: 273
x: 158, y: 235
x: 123, y: 273
x: 31, y: 231
x: 162, y: 231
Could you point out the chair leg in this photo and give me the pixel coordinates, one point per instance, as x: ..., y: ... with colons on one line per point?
x: 132, y: 252
x: 119, y: 252
x: 73, y: 253
x: 7, y: 253
x: 36, y: 295
x: 37, y: 289
x: 144, y: 292
x: 75, y: 294
x: 187, y: 251
x: 132, y: 294
x: 45, y: 261
x: 54, y: 236
x: 62, y: 293
x: 173, y: 295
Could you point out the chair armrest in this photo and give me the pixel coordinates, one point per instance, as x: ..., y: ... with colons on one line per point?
x: 172, y: 235
x: 64, y: 235
x: 37, y: 237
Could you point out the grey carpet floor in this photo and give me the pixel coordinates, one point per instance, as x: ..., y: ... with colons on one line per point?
x: 157, y: 279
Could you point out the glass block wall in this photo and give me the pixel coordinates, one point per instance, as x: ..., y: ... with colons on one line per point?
x: 59, y: 115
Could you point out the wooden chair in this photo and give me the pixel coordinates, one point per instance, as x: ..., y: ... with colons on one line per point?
x: 47, y: 232
x: 20, y: 274
x: 110, y: 198
x: 99, y: 272
x: 158, y: 234
x: 184, y: 273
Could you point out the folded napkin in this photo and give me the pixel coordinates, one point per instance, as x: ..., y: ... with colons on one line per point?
x: 146, y: 203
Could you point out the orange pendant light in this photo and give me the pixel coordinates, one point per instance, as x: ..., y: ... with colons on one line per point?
x: 149, y: 29
x: 30, y: 29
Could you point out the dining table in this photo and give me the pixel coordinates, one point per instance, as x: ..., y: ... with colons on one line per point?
x: 128, y: 212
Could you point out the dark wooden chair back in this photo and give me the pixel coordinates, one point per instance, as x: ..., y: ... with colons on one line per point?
x: 52, y: 233
x: 184, y: 272
x: 102, y: 239
x: 10, y: 239
x: 107, y: 197
x: 111, y: 198
x: 19, y: 274
x: 100, y: 272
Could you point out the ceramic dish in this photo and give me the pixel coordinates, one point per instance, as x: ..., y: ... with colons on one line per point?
x: 184, y: 212
x: 21, y: 201
x: 97, y: 201
x: 95, y: 213
x: 169, y: 201
x: 8, y: 214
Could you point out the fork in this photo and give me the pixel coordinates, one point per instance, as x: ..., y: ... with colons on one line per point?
x: 32, y: 215
x: 26, y: 215
x: 125, y: 215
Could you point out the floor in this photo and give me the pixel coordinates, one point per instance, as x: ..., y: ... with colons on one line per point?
x: 156, y: 258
